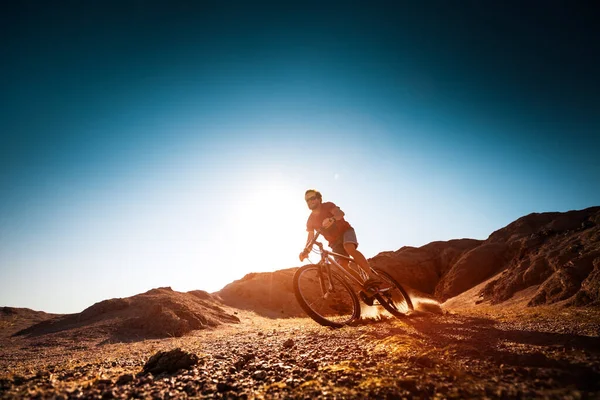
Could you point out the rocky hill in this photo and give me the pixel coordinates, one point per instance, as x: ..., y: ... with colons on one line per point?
x: 14, y: 319
x: 556, y: 253
x: 160, y: 312
x: 422, y: 268
x: 560, y: 252
x: 269, y: 294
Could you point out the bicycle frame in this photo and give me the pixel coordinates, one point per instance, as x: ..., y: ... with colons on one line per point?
x: 327, y: 258
x: 388, y: 293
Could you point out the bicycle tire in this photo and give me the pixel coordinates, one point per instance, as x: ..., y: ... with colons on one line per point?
x: 341, y: 307
x: 396, y: 301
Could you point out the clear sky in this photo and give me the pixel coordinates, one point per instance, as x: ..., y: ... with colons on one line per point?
x: 168, y: 143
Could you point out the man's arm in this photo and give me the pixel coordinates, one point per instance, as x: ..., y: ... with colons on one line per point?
x: 337, y: 213
x: 311, y: 236
x: 304, y: 253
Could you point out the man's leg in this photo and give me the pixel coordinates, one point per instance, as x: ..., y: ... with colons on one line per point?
x: 350, y: 246
x: 344, y: 264
x: 371, y: 284
x: 358, y: 257
x: 340, y: 249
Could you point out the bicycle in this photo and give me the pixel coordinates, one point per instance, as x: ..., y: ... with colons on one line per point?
x: 326, y: 295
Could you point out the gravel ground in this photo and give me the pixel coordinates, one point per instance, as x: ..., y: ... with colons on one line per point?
x: 421, y: 356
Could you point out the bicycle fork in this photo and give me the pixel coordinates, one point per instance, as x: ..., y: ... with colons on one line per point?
x: 325, y: 279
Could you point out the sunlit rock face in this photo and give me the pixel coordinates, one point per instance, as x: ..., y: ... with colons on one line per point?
x: 269, y: 294
x: 422, y: 268
x: 560, y: 252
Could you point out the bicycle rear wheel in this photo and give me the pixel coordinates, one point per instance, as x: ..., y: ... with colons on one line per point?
x: 392, y: 295
x: 325, y: 296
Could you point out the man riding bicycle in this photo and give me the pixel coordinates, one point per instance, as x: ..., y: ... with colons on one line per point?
x: 328, y: 219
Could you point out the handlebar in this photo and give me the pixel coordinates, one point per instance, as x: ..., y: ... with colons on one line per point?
x: 310, y: 244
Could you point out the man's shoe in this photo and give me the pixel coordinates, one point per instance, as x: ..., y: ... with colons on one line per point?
x: 371, y: 286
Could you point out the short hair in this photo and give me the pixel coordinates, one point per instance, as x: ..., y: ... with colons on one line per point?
x: 316, y: 192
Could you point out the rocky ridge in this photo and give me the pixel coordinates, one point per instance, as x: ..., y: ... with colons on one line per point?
x: 559, y: 252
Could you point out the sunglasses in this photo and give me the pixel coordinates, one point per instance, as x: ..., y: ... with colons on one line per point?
x: 311, y: 198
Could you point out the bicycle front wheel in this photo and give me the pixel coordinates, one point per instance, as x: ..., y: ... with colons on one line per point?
x: 392, y: 295
x: 325, y: 296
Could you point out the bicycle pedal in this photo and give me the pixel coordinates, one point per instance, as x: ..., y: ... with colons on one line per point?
x: 367, y: 300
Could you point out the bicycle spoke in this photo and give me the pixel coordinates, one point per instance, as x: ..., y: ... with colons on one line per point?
x: 392, y: 296
x: 336, y: 307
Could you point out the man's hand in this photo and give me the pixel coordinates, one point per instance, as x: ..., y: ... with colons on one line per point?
x: 327, y: 222
x: 303, y: 255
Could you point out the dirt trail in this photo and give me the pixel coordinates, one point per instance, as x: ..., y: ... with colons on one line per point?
x: 422, y: 356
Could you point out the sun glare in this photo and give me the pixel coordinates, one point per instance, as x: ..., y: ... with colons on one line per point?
x: 270, y: 227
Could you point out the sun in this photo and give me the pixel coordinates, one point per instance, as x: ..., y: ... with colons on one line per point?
x: 270, y: 226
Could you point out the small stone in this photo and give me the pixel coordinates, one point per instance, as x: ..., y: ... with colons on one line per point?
x: 288, y: 343
x: 42, y: 374
x: 190, y: 389
x: 223, y: 386
x: 259, y: 375
x: 109, y: 394
x: 124, y: 379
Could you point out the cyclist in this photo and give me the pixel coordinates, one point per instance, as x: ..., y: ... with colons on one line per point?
x: 328, y: 219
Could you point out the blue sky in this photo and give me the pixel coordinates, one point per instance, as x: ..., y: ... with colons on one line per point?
x: 148, y: 143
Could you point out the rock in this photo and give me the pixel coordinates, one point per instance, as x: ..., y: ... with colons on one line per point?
x: 125, y: 379
x: 555, y: 256
x: 421, y: 268
x: 269, y: 294
x: 259, y: 375
x: 288, y: 343
x: 472, y: 268
x: 557, y: 251
x: 170, y: 361
x: 223, y: 387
